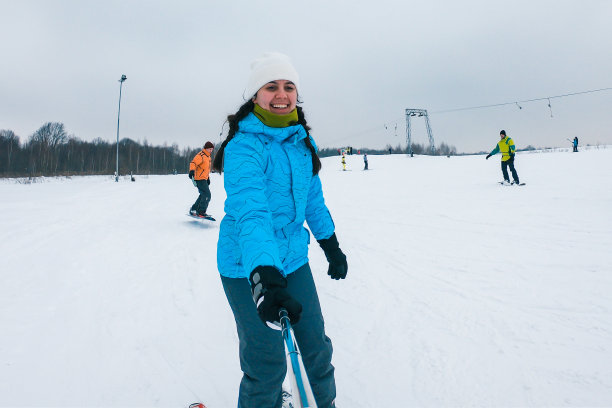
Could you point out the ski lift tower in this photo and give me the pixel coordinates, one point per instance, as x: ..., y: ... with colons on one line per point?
x: 419, y: 112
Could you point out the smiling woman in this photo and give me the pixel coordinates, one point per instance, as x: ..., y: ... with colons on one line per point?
x: 272, y: 184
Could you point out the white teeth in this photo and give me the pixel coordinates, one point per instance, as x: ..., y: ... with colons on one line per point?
x: 279, y: 106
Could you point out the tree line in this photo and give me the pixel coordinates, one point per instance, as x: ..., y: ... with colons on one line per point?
x: 442, y: 150
x: 50, y: 151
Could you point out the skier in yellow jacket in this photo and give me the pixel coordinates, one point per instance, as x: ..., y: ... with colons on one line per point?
x: 507, y: 149
x: 199, y: 171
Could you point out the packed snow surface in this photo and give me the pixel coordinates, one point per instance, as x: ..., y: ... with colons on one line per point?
x: 460, y: 291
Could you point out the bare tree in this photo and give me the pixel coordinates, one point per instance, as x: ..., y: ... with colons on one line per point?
x: 45, y: 143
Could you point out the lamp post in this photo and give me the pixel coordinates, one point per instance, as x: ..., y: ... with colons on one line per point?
x: 123, y: 78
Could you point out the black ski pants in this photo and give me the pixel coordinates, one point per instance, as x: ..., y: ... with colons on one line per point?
x: 262, y: 354
x: 504, y: 167
x: 201, y: 204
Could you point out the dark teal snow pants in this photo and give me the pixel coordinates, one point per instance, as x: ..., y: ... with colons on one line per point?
x: 262, y: 353
x: 201, y: 204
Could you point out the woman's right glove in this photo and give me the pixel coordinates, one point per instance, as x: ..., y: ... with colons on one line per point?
x: 338, y: 267
x: 269, y: 294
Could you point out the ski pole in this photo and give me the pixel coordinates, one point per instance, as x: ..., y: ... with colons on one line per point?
x: 297, y: 372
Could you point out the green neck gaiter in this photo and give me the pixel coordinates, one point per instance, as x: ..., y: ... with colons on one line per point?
x: 273, y: 120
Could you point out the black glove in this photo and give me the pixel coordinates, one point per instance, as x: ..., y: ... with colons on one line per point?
x: 488, y: 155
x: 512, y: 156
x: 191, y: 174
x: 269, y: 293
x: 337, y: 260
x: 208, y: 181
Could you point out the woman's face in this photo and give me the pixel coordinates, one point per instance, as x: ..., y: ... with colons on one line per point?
x: 279, y: 97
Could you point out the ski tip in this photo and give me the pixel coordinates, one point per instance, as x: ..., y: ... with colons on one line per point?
x: 197, y: 405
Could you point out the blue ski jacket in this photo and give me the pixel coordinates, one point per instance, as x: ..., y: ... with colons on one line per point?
x: 270, y: 191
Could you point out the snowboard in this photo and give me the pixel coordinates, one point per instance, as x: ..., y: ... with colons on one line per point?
x: 513, y: 184
x: 199, y: 217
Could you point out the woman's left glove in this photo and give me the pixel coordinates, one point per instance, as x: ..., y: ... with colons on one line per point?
x: 337, y: 260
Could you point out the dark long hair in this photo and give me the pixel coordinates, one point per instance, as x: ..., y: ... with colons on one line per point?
x: 242, y: 113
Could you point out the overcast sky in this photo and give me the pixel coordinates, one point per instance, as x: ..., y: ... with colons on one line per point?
x: 361, y: 63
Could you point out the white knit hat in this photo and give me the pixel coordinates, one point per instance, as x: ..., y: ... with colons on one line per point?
x: 270, y: 67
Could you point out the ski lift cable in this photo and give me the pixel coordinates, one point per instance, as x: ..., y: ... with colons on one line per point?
x: 524, y: 101
x: 373, y: 129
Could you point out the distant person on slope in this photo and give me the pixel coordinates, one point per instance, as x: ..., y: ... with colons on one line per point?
x: 507, y: 149
x: 199, y: 172
x: 343, y: 162
x: 365, y: 161
x: 575, y: 144
x: 272, y: 184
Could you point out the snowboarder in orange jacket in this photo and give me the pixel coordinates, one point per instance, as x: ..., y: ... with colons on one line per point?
x: 199, y: 172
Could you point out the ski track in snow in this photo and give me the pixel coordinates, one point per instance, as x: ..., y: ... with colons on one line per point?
x: 460, y: 292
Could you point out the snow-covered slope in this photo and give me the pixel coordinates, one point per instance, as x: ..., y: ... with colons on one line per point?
x: 460, y: 292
